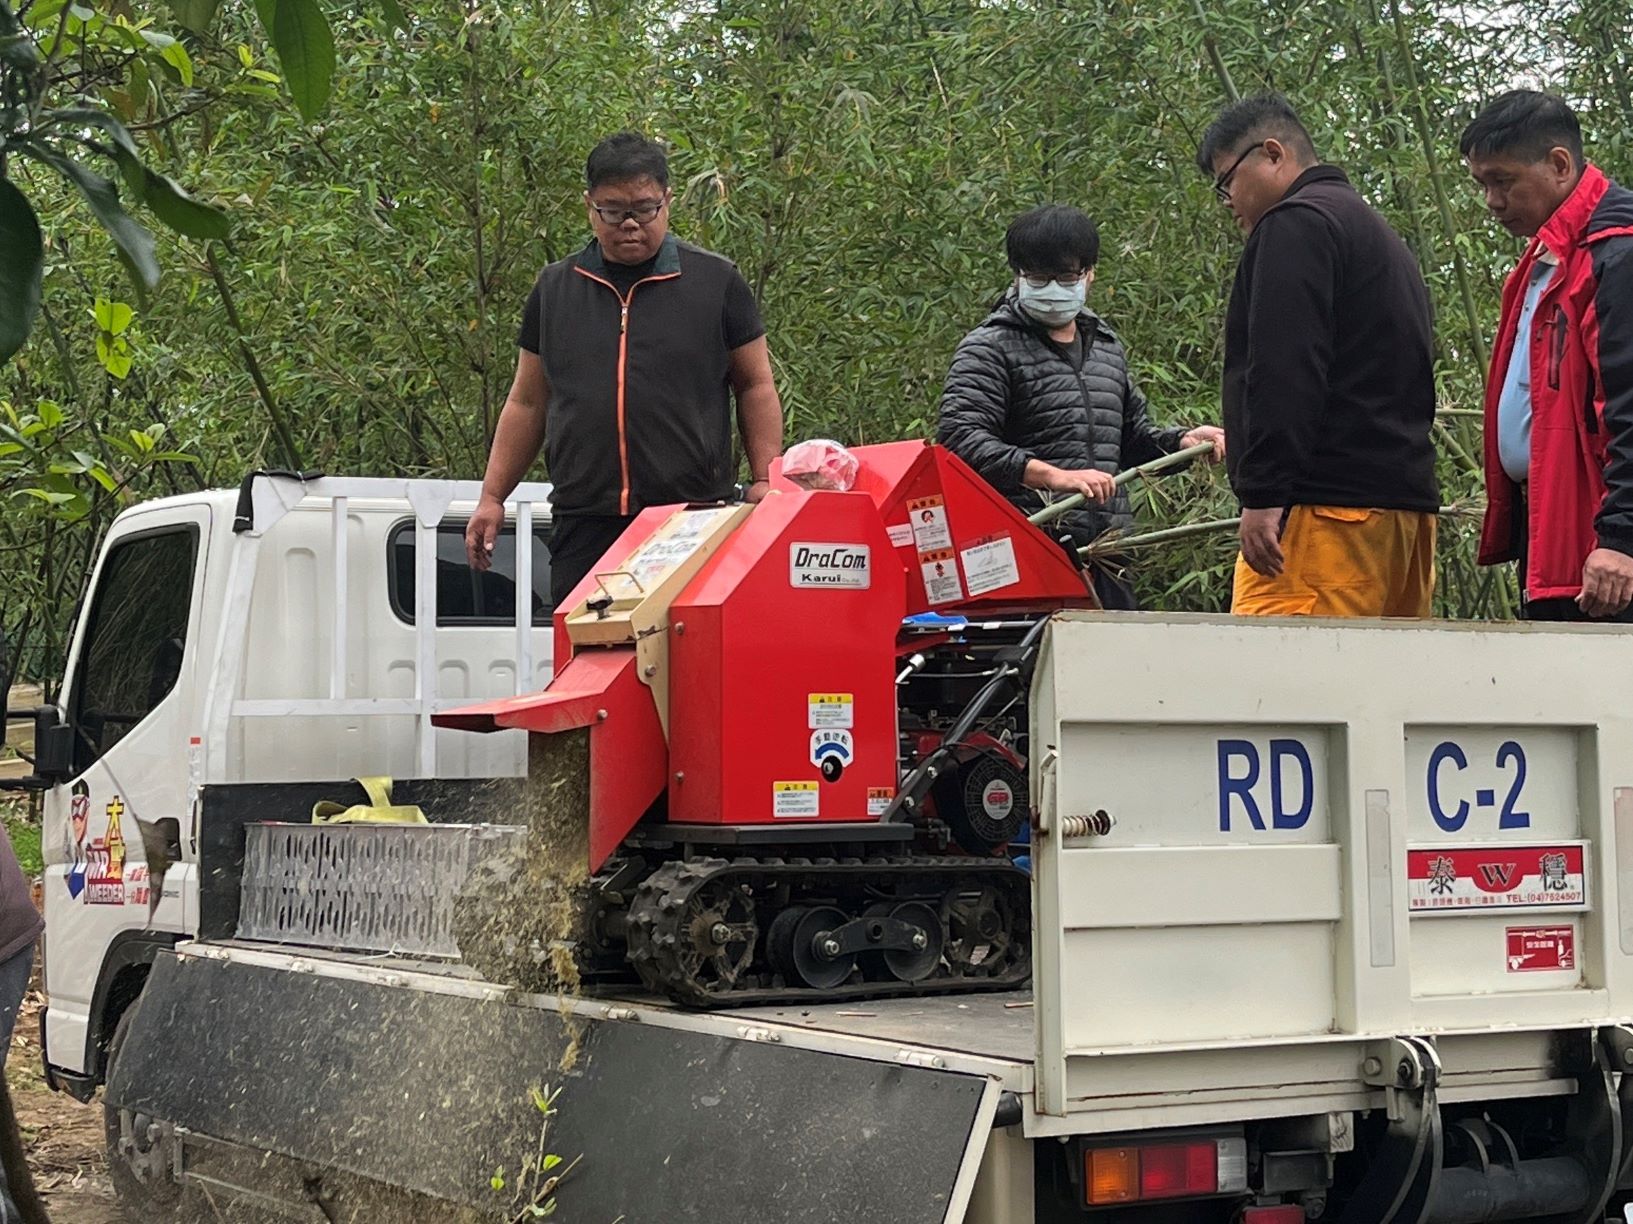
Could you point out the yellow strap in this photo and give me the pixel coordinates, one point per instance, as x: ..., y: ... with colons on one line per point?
x: 378, y: 810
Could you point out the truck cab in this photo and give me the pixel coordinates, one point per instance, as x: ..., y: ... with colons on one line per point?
x: 279, y: 631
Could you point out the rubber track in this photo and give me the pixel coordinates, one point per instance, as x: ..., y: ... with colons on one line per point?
x: 656, y: 933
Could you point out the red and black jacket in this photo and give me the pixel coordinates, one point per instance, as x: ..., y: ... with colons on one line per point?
x: 1580, y: 491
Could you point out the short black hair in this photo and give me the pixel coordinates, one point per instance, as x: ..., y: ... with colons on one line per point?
x: 1523, y: 123
x: 1052, y: 238
x: 624, y: 156
x: 1261, y: 117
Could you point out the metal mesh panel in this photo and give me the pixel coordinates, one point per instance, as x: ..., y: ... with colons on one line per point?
x: 366, y: 888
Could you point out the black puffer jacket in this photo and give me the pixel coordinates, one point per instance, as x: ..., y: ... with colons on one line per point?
x: 1010, y: 396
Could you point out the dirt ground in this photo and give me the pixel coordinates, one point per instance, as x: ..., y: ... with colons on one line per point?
x: 63, y: 1137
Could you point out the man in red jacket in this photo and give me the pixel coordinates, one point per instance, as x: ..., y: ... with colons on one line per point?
x: 1559, y: 396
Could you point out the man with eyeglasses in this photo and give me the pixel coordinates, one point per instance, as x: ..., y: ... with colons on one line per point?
x: 1559, y: 395
x: 1039, y: 399
x: 1329, y: 390
x: 631, y: 351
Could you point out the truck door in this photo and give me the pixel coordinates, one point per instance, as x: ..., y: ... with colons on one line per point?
x: 129, y: 699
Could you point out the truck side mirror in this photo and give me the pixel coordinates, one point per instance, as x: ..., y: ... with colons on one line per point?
x: 53, y: 748
x: 53, y: 739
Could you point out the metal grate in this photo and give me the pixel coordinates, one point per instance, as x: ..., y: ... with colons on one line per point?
x: 363, y: 888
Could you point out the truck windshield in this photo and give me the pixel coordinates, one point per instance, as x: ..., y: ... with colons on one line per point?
x: 135, y: 638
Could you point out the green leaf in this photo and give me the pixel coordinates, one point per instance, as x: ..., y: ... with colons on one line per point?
x: 134, y: 242
x: 46, y: 495
x: 90, y: 116
x: 17, y: 49
x: 306, y: 52
x: 195, y: 15
x: 176, y: 56
x: 120, y: 315
x: 394, y: 15
x: 22, y: 267
x: 551, y: 1161
x: 183, y: 213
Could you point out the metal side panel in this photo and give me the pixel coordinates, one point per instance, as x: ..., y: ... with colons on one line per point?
x: 1285, y: 834
x: 430, y: 1093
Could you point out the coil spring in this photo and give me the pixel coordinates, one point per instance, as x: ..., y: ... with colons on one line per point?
x: 1097, y: 825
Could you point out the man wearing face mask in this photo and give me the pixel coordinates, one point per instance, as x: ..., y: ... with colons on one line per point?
x: 1039, y: 399
x: 1329, y: 386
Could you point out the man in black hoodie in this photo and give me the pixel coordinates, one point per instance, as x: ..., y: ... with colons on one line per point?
x: 1039, y: 399
x: 1329, y: 391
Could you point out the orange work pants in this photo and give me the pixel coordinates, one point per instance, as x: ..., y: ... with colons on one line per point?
x: 1345, y: 561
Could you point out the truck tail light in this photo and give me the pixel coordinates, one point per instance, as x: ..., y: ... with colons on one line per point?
x: 1113, y: 1175
x: 1176, y: 1169
x: 1181, y: 1168
x: 1273, y: 1215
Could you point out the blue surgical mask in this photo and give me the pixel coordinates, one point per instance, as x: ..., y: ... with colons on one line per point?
x: 1055, y: 305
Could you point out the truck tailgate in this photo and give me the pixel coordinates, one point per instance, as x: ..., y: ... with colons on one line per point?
x: 1266, y: 848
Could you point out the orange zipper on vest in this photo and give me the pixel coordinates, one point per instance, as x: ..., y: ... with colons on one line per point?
x: 623, y: 361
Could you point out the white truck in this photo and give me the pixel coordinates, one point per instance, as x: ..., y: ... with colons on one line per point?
x: 1330, y: 921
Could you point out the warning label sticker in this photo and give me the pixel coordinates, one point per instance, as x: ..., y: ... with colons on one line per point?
x: 928, y: 518
x: 990, y: 566
x: 1532, y: 949
x: 795, y: 799
x: 1496, y: 878
x: 901, y: 534
x: 941, y: 581
x: 831, y: 710
x: 879, y: 798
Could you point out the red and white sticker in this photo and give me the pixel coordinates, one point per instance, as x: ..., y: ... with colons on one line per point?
x: 1490, y: 878
x: 941, y: 581
x: 1539, y: 948
x: 879, y: 798
x: 990, y: 566
x: 927, y: 516
x: 998, y: 800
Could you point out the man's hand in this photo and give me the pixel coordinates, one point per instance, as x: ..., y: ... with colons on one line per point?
x: 1095, y: 485
x: 1206, y: 433
x: 756, y: 492
x: 482, y: 531
x: 1607, y: 583
x: 1261, y: 541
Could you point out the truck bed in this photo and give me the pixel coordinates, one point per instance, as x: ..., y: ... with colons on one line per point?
x: 990, y: 1034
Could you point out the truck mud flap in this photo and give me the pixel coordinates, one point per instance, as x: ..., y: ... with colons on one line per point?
x: 430, y: 1093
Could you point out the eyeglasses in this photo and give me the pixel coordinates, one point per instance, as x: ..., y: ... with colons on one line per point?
x: 1221, y: 185
x: 1065, y: 280
x: 639, y: 213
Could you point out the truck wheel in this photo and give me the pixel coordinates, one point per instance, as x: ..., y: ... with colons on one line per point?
x: 141, y: 1154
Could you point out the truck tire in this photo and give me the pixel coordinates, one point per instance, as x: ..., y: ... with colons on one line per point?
x: 142, y: 1179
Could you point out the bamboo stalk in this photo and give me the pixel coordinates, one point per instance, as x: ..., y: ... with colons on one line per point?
x: 1115, y: 545
x: 1218, y: 60
x: 1420, y: 117
x: 1055, y: 509
x: 1167, y: 535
